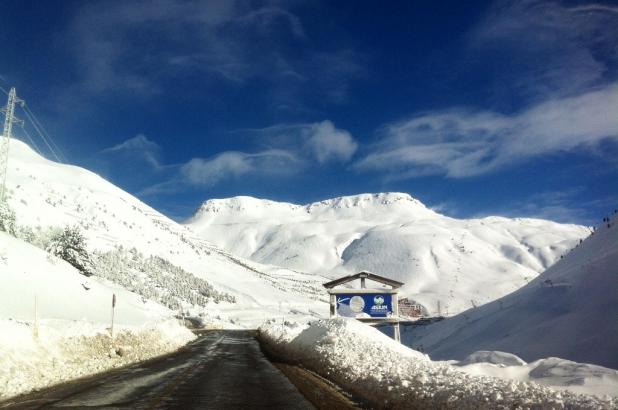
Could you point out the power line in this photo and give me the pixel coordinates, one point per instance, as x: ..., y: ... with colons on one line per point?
x: 35, y: 121
x: 36, y: 148
x: 36, y: 128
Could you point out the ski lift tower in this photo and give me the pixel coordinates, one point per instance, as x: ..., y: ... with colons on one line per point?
x: 9, y: 120
x: 374, y: 306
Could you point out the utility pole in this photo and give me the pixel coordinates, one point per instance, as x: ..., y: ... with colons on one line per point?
x: 9, y: 120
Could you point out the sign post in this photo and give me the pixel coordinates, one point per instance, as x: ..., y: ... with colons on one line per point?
x: 35, y: 329
x: 113, y: 307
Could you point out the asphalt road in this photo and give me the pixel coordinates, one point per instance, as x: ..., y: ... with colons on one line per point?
x: 220, y: 370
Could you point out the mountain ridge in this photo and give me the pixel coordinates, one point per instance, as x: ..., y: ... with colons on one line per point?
x: 45, y: 194
x: 392, y: 234
x: 562, y: 312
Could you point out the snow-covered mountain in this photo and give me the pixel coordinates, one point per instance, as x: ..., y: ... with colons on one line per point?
x: 447, y: 264
x: 46, y: 194
x: 569, y: 311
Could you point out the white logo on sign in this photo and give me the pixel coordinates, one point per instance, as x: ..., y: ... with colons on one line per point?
x: 378, y: 300
x: 357, y: 304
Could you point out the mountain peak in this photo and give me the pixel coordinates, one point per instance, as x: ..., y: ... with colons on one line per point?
x: 366, y: 200
x: 250, y: 208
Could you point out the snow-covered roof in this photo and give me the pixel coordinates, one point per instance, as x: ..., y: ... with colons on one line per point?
x: 363, y: 275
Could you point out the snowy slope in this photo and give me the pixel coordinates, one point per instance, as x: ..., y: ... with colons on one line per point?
x: 569, y: 311
x: 455, y: 263
x: 62, y: 292
x: 44, y: 193
x: 73, y: 336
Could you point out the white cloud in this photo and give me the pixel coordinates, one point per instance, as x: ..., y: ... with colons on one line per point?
x: 140, y: 147
x: 233, y: 164
x: 462, y: 143
x: 329, y: 143
x: 320, y: 140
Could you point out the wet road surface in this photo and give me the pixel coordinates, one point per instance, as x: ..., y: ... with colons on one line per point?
x: 220, y: 370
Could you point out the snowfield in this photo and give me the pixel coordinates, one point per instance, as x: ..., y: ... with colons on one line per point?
x: 569, y: 311
x: 370, y: 365
x: 74, y: 312
x: 448, y: 265
x: 156, y: 268
x: 46, y: 195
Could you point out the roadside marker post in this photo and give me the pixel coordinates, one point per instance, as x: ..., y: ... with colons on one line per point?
x: 113, y: 308
x: 35, y: 329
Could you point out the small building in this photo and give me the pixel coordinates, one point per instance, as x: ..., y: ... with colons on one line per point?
x: 409, y: 309
x: 371, y: 305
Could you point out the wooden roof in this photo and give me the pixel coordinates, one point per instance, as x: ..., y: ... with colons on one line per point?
x: 363, y: 275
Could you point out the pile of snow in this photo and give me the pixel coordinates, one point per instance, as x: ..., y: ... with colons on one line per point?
x: 45, y: 195
x: 72, y: 338
x: 553, y: 372
x: 447, y: 264
x: 67, y: 350
x: 384, y: 373
x: 569, y: 311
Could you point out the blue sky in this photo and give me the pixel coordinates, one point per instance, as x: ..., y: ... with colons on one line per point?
x: 475, y: 108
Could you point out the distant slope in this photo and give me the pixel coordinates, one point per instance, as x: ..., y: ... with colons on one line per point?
x: 44, y: 193
x: 569, y: 311
x: 446, y: 261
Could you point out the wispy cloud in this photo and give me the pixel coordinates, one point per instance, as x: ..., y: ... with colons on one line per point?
x: 133, y: 46
x: 281, y: 151
x: 321, y: 141
x: 462, y: 142
x: 544, y: 49
x: 233, y: 164
x: 138, y: 147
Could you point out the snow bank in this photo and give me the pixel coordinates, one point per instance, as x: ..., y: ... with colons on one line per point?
x: 552, y: 372
x: 66, y: 350
x: 372, y: 366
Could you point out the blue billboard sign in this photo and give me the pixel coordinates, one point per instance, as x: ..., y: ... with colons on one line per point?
x: 364, y: 305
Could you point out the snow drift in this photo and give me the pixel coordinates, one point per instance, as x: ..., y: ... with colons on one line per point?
x: 386, y: 374
x: 67, y: 350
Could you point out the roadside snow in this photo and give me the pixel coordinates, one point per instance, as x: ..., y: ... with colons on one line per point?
x: 66, y: 350
x: 74, y: 314
x: 374, y: 367
x: 552, y: 372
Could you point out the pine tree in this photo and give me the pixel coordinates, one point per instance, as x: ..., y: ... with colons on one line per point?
x: 7, y: 219
x: 70, y: 245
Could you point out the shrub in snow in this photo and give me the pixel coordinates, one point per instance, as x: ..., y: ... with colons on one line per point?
x: 156, y: 278
x: 70, y: 245
x: 7, y: 219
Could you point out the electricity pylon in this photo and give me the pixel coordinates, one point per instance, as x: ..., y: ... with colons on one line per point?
x: 9, y: 120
